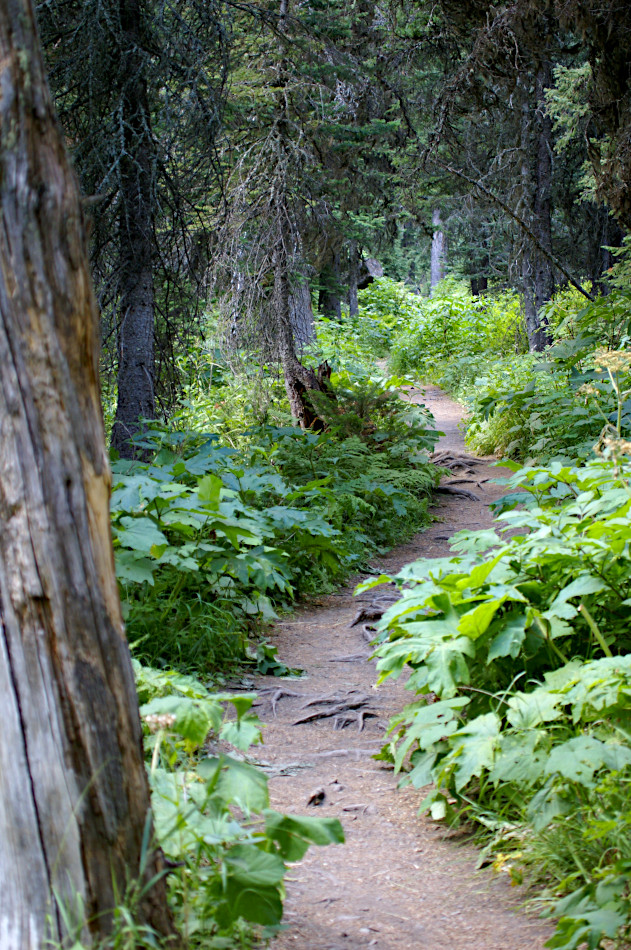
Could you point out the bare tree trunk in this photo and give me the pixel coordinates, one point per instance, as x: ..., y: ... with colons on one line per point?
x: 439, y: 252
x: 329, y: 301
x: 604, y: 233
x: 74, y: 799
x: 353, y: 279
x: 301, y: 313
x: 544, y: 273
x: 537, y: 270
x: 136, y: 399
x: 298, y: 378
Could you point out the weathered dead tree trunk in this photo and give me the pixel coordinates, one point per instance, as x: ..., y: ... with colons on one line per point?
x: 439, y: 252
x: 537, y: 269
x: 74, y: 799
x: 301, y: 312
x: 329, y: 299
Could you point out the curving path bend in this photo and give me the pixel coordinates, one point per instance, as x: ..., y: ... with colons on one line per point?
x: 398, y: 883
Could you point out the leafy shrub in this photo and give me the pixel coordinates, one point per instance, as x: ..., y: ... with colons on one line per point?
x: 211, y: 540
x: 228, y: 850
x: 385, y: 308
x: 521, y: 661
x: 452, y: 325
x: 552, y: 407
x: 543, y: 406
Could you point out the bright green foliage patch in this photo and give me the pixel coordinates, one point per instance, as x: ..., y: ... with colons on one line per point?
x: 521, y: 661
x: 453, y: 325
x: 211, y: 540
x: 228, y: 849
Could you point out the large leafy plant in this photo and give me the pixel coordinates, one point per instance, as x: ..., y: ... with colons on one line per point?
x: 211, y: 540
x: 228, y: 850
x: 518, y: 649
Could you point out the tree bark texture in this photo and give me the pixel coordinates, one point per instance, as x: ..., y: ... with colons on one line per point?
x: 298, y: 378
x: 329, y: 300
x: 537, y: 270
x: 136, y: 398
x: 353, y: 279
x: 301, y: 313
x: 439, y: 252
x: 73, y: 790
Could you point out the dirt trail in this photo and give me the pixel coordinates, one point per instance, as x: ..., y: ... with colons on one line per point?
x: 397, y: 883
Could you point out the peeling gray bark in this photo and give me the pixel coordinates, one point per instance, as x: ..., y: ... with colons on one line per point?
x: 301, y: 313
x: 439, y: 251
x: 537, y: 269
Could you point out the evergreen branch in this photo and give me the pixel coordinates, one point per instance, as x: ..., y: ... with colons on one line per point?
x: 516, y: 218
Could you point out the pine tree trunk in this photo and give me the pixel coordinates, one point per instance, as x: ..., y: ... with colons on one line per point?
x: 353, y: 279
x: 136, y: 398
x: 329, y: 301
x: 439, y: 252
x: 544, y: 274
x: 301, y: 314
x: 73, y: 791
x: 536, y: 146
x: 298, y: 378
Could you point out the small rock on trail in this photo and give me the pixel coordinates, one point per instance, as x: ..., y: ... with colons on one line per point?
x: 398, y: 883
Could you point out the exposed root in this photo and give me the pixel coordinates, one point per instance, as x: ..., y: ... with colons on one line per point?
x: 342, y: 753
x: 351, y: 658
x: 327, y: 698
x: 278, y: 693
x: 337, y: 710
x: 453, y: 460
x: 362, y: 715
x: 463, y: 492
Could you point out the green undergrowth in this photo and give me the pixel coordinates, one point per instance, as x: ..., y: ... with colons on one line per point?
x: 227, y: 851
x: 212, y: 539
x: 518, y: 648
x: 526, y: 406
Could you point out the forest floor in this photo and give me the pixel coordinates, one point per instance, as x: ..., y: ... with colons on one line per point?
x: 400, y: 882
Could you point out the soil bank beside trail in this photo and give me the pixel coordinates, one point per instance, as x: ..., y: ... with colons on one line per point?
x: 398, y: 883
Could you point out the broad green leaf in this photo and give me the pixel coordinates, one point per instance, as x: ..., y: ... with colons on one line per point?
x: 509, y: 640
x: 578, y: 759
x: 194, y: 718
x: 209, y: 490
x: 422, y: 773
x: 528, y: 710
x: 131, y: 567
x: 243, y: 733
x: 545, y: 805
x: 518, y: 760
x: 250, y: 866
x: 140, y: 534
x: 259, y: 905
x: 293, y: 835
x: 474, y: 747
x: 476, y: 622
x: 446, y: 666
x: 236, y: 782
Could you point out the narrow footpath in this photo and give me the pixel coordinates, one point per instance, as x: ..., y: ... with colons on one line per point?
x: 399, y: 882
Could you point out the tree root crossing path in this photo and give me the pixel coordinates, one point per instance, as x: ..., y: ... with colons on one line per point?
x: 400, y: 882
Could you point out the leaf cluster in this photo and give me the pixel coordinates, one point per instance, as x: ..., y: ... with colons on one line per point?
x: 519, y: 651
x: 228, y: 849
